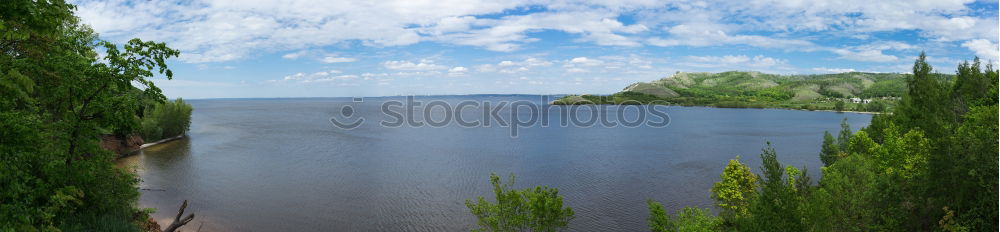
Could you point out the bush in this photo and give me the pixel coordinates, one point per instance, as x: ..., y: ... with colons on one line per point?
x: 532, y: 209
x: 165, y: 120
x: 687, y: 219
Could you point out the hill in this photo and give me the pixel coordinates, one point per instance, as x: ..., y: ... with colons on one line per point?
x: 737, y: 89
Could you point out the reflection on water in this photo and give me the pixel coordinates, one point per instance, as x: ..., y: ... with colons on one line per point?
x: 278, y: 165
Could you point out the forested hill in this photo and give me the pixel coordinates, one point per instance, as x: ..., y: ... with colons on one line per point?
x: 760, y: 90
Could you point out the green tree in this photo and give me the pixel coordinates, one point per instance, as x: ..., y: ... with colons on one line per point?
x: 976, y: 140
x: 533, y: 209
x: 830, y: 152
x: 844, y: 136
x: 778, y: 206
x: 847, y: 197
x: 687, y: 219
x: 58, y: 96
x: 165, y: 120
x: 875, y: 106
x: 659, y: 220
x: 839, y: 106
x: 925, y: 104
x: 733, y: 192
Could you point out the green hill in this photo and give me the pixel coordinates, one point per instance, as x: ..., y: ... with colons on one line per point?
x: 760, y: 90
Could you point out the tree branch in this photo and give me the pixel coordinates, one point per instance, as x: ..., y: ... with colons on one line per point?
x: 178, y: 221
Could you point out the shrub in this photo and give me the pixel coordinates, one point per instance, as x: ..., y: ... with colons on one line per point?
x: 165, y: 120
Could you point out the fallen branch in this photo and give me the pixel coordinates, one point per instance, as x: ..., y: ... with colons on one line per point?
x: 178, y: 222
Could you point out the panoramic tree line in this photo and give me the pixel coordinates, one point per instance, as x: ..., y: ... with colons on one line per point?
x: 61, y: 89
x: 929, y: 165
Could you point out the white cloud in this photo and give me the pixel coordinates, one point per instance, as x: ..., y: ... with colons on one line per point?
x: 869, y: 55
x: 711, y: 34
x: 423, y: 65
x: 457, y: 71
x: 638, y: 62
x: 581, y: 64
x: 223, y: 30
x: 584, y: 61
x: 323, y: 76
x: 733, y: 61
x: 294, y: 55
x: 333, y: 59
x: 983, y: 48
x: 486, y: 68
x: 833, y: 70
x: 510, y: 67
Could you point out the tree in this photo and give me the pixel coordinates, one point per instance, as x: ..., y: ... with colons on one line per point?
x: 732, y: 194
x: 830, y: 152
x: 535, y: 209
x: 844, y: 137
x: 777, y: 207
x: 925, y: 105
x: 165, y: 120
x: 58, y: 96
x: 875, y: 106
x: 658, y: 219
x: 687, y: 219
x: 846, y: 197
x: 839, y: 106
x: 976, y: 140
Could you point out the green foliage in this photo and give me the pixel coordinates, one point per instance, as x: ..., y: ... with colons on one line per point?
x: 732, y: 194
x: 165, y: 120
x: 830, y: 151
x: 886, y: 88
x: 975, y: 143
x: 56, y: 99
x: 937, y: 150
x: 535, y: 209
x: 777, y: 205
x: 687, y: 219
x: 658, y: 219
x: 844, y: 136
x: 847, y: 197
x: 839, y: 106
x: 925, y: 104
x: 875, y: 106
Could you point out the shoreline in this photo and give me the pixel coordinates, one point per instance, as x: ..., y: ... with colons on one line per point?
x: 717, y: 107
x: 158, y: 142
x: 147, y: 145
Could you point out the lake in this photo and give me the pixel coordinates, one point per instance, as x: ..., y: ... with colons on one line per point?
x: 281, y: 165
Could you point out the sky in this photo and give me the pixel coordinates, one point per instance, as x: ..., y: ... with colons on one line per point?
x: 329, y: 48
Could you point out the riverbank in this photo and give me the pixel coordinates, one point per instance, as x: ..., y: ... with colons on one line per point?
x: 131, y: 144
x: 145, y: 145
x: 556, y: 102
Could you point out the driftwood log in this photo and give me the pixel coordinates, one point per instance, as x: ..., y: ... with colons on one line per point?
x: 178, y: 222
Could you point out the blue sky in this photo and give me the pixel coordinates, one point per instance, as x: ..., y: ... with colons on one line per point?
x: 303, y: 48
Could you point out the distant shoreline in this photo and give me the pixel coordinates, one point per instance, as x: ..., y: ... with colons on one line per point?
x: 759, y: 108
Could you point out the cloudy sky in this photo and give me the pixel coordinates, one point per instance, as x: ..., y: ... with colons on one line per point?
x: 326, y: 48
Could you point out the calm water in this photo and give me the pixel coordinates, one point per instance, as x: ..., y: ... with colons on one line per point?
x: 280, y: 165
